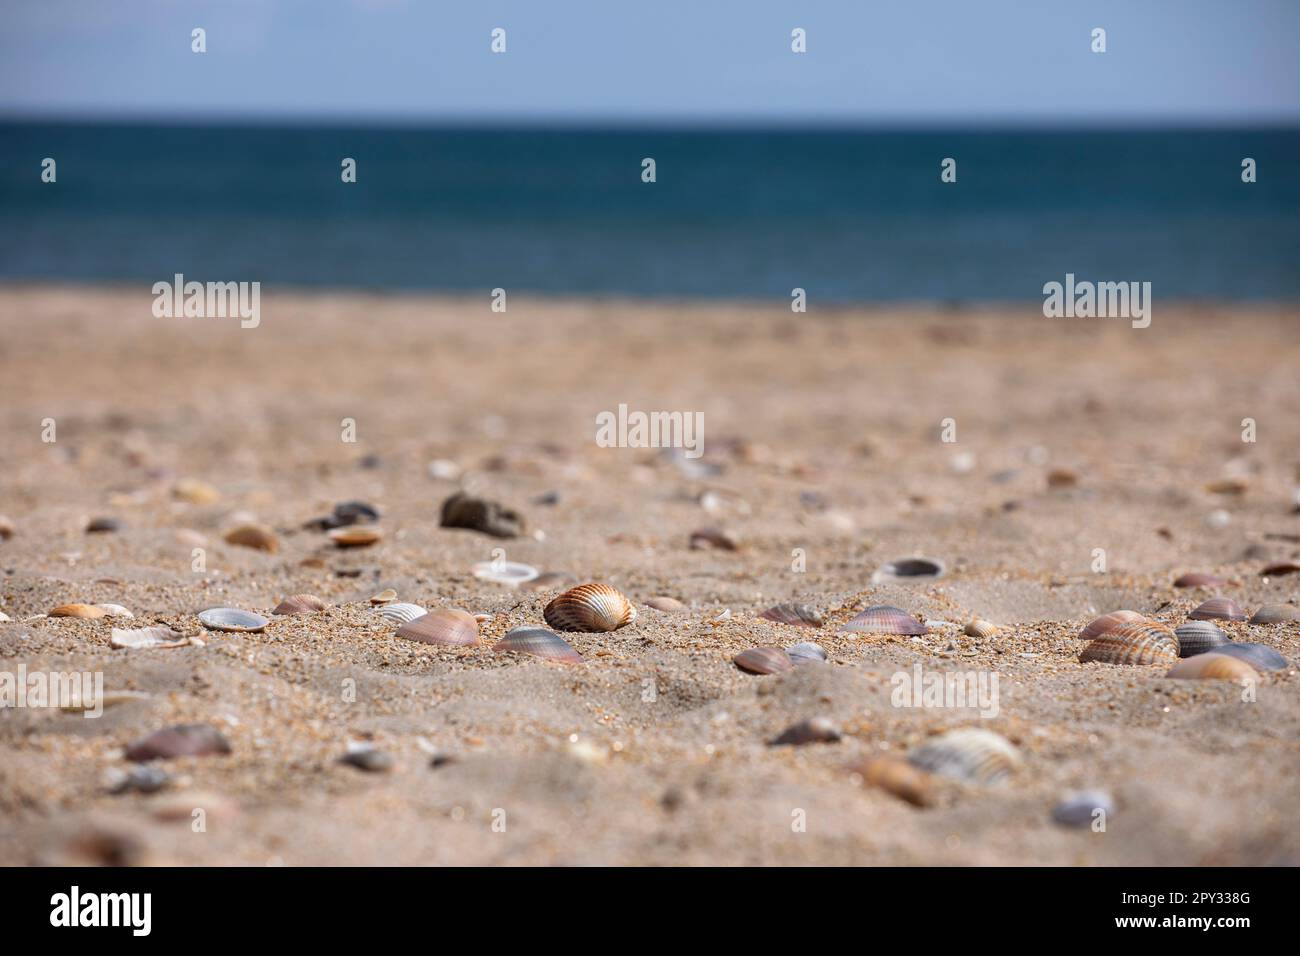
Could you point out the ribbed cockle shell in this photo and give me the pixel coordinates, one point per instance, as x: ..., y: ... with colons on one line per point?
x: 1109, y: 622
x: 1218, y: 608
x: 972, y: 755
x: 442, y: 626
x: 763, y: 660
x: 1199, y: 637
x: 590, y: 607
x: 1213, y: 667
x: 1147, y: 642
x: 884, y: 619
x: 539, y: 643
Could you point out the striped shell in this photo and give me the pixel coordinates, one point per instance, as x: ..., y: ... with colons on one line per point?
x: 1199, y: 637
x: 806, y: 652
x: 1109, y: 622
x: 1212, y: 667
x: 900, y: 778
x: 980, y: 756
x: 1145, y: 643
x: 817, y: 730
x: 1218, y: 608
x: 978, y: 628
x: 78, y: 610
x: 300, y: 604
x: 1270, y: 614
x: 1198, y: 579
x: 763, y: 660
x: 590, y: 607
x: 884, y: 619
x: 799, y: 615
x: 443, y: 626
x: 1259, y: 656
x: 401, y: 613
x: 509, y: 573
x: 232, y: 619
x: 539, y: 643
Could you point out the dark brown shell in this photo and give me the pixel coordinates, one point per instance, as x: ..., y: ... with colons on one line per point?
x: 591, y: 608
x: 1110, y: 622
x: 443, y: 626
x: 1199, y: 579
x: 1199, y: 637
x: 539, y: 643
x: 1213, y: 667
x: 763, y: 660
x: 1146, y: 643
x: 1218, y: 608
x: 799, y: 615
x: 884, y: 619
x: 1278, y: 570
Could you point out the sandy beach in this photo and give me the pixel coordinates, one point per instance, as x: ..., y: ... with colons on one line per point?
x: 824, y: 460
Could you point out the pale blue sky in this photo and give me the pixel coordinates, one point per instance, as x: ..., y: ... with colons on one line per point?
x: 868, y: 61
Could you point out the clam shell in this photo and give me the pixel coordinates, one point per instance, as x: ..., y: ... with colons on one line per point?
x: 1213, y: 667
x: 1218, y: 608
x: 799, y: 615
x: 184, y: 740
x: 590, y: 607
x: 806, y: 652
x: 510, y: 573
x: 704, y: 538
x: 980, y: 756
x: 763, y: 660
x: 1259, y: 656
x: 1146, y: 643
x: 254, y: 536
x: 355, y: 536
x: 817, y: 730
x: 909, y: 569
x: 300, y: 604
x: 231, y: 619
x: 157, y: 636
x: 114, y: 610
x: 79, y: 610
x: 666, y: 604
x: 384, y: 596
x: 1199, y: 579
x: 442, y: 626
x: 539, y: 643
x: 900, y: 778
x: 1275, y: 614
x: 401, y: 613
x: 1078, y: 809
x: 1109, y: 622
x: 885, y: 619
x: 978, y: 628
x: 1199, y: 637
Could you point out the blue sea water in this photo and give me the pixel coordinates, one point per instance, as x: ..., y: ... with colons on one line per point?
x: 846, y: 215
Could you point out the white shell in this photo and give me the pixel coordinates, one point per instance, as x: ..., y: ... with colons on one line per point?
x: 114, y: 610
x: 973, y: 755
x: 401, y: 613
x: 148, y: 637
x: 232, y: 619
x: 510, y: 573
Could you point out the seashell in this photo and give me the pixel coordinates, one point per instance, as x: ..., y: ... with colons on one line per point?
x: 590, y: 607
x: 89, y: 611
x: 1218, y: 608
x: 344, y: 514
x: 1277, y: 570
x: 102, y: 525
x: 817, y: 730
x: 384, y: 596
x: 114, y: 610
x: 1109, y: 622
x: 551, y: 581
x: 908, y: 568
x: 806, y: 652
x: 1148, y: 642
x: 144, y: 779
x: 110, y: 698
x: 4, y: 618
x: 300, y: 604
x: 763, y: 660
x: 254, y: 536
x: 705, y: 538
x: 539, y: 643
x: 355, y: 536
x: 666, y: 604
x: 884, y: 619
x: 232, y: 619
x: 442, y: 626
x: 401, y: 613
x: 370, y: 759
x: 1259, y: 656
x: 183, y: 740
x: 979, y: 628
x: 6, y: 528
x: 1199, y: 637
x: 1275, y: 614
x: 1227, y: 486
x: 195, y: 492
x: 1061, y: 478
x: 900, y: 778
x: 510, y: 573
x: 1213, y: 667
x: 463, y: 511
x: 1198, y: 579
x: 142, y: 637
x: 799, y: 615
x: 1080, y: 809
x: 972, y: 755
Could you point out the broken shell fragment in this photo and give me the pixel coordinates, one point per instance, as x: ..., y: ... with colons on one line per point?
x: 798, y: 615
x: 900, y: 778
x: 114, y: 610
x: 254, y: 536
x: 183, y: 740
x: 1275, y: 614
x: 1147, y: 642
x: 300, y: 604
x: 370, y: 759
x: 763, y: 660
x: 817, y: 730
x: 539, y: 643
x: 979, y: 628
x: 1199, y: 637
x: 1081, y: 808
x: 463, y: 511
x: 1259, y: 656
x: 1212, y: 666
x: 145, y: 637
x: 979, y: 756
x: 550, y: 581
x: 1228, y: 486
x: 88, y: 611
x: 102, y: 525
x: 1218, y: 608
x: 705, y: 538
x: 232, y: 619
x: 6, y: 528
x: 355, y: 536
x: 509, y: 573
x: 443, y: 626
x: 401, y: 613
x: 806, y: 652
x: 1109, y: 622
x: 885, y: 619
x: 590, y: 607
